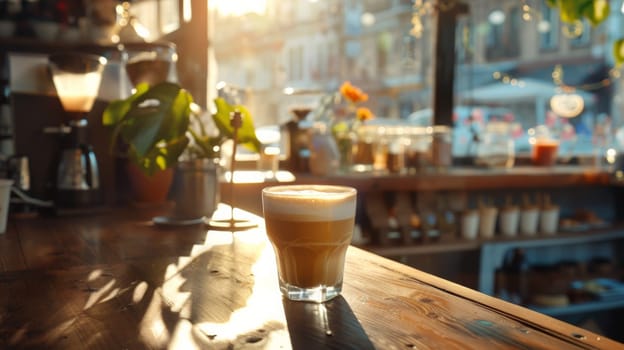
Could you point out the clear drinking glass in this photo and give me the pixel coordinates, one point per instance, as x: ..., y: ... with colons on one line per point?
x: 150, y: 63
x: 441, y: 146
x: 310, y: 228
x: 496, y: 149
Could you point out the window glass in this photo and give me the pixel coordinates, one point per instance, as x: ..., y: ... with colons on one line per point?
x: 548, y: 27
x: 514, y: 62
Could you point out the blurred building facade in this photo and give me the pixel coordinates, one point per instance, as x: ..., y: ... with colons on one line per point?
x: 503, y: 49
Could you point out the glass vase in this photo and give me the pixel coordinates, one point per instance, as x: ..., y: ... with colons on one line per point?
x: 324, y: 153
x: 346, y: 142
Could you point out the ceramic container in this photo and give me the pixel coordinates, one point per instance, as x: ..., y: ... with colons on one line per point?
x: 509, y: 219
x: 470, y: 224
x: 549, y: 220
x: 487, y: 221
x: 529, y: 219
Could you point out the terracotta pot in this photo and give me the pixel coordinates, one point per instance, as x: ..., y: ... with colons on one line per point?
x: 149, y: 189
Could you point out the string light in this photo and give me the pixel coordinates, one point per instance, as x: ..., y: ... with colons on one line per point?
x: 529, y: 12
x: 526, y: 13
x: 573, y: 30
x: 557, y: 78
x: 508, y: 79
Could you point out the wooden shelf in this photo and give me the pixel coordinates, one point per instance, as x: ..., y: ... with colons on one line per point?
x: 470, y: 179
x: 425, y: 248
x: 35, y: 45
x: 539, y: 240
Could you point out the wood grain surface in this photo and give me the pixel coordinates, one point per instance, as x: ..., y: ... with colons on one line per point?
x: 117, y: 281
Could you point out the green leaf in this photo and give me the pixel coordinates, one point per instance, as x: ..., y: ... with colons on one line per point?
x: 618, y: 51
x: 571, y: 11
x: 246, y: 133
x: 158, y: 115
x: 152, y: 123
x: 340, y: 127
x: 222, y: 116
x: 596, y: 11
x: 163, y: 156
x: 179, y: 121
x: 205, y: 146
x: 116, y: 110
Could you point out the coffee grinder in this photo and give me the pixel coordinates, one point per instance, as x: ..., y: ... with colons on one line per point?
x: 76, y: 77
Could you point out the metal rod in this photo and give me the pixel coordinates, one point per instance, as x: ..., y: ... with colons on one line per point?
x: 235, y: 122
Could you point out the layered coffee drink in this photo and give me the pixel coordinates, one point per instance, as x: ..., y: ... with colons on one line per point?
x: 310, y: 228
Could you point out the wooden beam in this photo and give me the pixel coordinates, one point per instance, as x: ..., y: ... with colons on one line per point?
x: 192, y: 46
x: 444, y: 59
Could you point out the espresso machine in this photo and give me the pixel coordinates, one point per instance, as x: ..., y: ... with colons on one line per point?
x: 76, y: 78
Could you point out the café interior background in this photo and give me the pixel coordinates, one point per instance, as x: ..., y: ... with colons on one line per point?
x: 514, y: 62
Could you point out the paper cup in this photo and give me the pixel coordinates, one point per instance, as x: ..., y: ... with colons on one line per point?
x: 470, y: 224
x: 5, y: 195
x: 487, y: 222
x: 529, y: 219
x: 549, y: 220
x: 509, y: 218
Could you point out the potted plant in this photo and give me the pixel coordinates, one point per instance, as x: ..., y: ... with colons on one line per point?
x: 159, y: 128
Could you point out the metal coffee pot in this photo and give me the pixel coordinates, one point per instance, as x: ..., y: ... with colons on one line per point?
x: 77, y: 181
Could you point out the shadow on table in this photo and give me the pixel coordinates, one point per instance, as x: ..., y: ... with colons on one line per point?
x: 330, y: 325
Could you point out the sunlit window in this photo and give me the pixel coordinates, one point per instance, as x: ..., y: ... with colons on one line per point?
x: 511, y: 59
x: 548, y: 27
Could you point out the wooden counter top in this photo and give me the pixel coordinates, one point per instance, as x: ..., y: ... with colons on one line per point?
x: 116, y: 281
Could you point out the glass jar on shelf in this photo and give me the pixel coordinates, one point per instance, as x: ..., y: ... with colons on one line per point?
x: 441, y: 147
x: 395, y: 149
x: 364, y: 150
x: 496, y: 147
x: 417, y: 149
x: 380, y: 148
x: 544, y: 146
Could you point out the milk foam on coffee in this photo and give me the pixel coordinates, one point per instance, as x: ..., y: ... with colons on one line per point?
x: 310, y: 203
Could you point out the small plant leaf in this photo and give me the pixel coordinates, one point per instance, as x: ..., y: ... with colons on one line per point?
x: 116, y: 110
x: 596, y: 11
x: 159, y: 115
x: 571, y: 10
x: 246, y: 133
x: 618, y: 51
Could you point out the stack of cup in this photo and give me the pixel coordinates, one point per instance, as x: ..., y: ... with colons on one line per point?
x: 509, y: 218
x: 470, y: 224
x: 529, y: 217
x: 549, y: 217
x: 487, y: 220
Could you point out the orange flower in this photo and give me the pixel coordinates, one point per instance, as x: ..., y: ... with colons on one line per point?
x: 352, y: 93
x: 363, y: 114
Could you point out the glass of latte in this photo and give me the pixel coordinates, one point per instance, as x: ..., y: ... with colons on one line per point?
x: 310, y: 228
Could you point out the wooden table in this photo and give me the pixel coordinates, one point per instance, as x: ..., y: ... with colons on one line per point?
x: 117, y: 281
